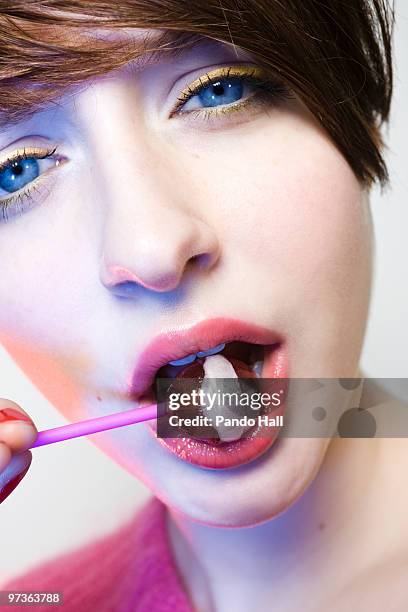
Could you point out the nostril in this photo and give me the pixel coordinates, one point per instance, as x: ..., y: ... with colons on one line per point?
x: 122, y: 281
x: 125, y: 288
x: 116, y: 276
x: 202, y: 260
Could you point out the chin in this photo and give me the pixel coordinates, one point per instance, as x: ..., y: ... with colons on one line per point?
x: 249, y: 495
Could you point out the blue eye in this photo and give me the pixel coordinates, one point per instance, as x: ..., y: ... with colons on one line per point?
x: 224, y: 91
x: 22, y: 178
x: 230, y: 88
x: 18, y: 173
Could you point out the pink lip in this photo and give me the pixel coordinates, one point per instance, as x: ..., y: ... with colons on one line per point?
x: 176, y: 344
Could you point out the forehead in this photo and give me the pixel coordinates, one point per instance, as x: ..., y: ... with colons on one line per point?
x: 55, y: 58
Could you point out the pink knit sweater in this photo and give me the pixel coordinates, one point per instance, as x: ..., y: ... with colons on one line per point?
x: 130, y: 570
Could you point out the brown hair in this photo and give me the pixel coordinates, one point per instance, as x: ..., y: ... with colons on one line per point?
x: 336, y: 56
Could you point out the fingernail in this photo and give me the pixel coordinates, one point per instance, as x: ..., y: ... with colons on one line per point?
x: 10, y: 486
x: 11, y: 414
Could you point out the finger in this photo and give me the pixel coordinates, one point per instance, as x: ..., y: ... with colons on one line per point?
x: 5, y: 456
x: 18, y: 435
x: 17, y: 430
x: 14, y: 473
x: 7, y: 403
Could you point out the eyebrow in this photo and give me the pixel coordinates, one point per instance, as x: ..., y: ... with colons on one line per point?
x: 172, y: 43
x: 168, y: 44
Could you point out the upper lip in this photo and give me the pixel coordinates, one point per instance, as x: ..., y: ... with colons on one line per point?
x: 177, y: 343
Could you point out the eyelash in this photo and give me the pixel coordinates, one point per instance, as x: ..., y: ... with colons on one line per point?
x: 270, y: 90
x: 17, y: 201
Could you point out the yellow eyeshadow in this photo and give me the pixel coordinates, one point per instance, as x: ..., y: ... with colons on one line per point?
x: 20, y: 154
x: 222, y: 73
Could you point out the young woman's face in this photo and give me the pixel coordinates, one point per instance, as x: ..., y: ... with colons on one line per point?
x: 236, y: 206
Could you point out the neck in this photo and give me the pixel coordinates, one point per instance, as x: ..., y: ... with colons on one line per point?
x: 248, y: 568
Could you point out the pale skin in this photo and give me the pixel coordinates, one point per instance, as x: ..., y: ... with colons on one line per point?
x: 283, y: 232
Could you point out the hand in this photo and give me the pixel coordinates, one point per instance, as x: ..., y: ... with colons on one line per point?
x: 17, y: 434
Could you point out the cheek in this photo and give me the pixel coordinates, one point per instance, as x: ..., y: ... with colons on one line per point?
x: 294, y: 202
x: 43, y: 307
x: 51, y: 254
x: 302, y: 232
x: 316, y: 227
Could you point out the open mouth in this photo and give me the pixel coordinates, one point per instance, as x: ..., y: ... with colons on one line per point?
x: 241, y: 359
x: 247, y: 362
x: 211, y: 350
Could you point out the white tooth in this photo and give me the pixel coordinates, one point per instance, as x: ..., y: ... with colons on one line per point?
x: 257, y: 368
x: 184, y: 360
x: 212, y: 351
x: 217, y: 366
x: 193, y: 356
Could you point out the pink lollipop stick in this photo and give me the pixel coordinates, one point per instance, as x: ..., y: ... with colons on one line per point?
x: 90, y: 426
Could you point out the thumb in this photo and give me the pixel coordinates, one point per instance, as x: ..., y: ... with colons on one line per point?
x: 14, y: 473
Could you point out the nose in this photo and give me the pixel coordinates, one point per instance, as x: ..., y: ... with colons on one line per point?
x: 152, y: 237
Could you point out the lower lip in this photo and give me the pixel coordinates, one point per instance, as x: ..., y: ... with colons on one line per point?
x: 226, y: 455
